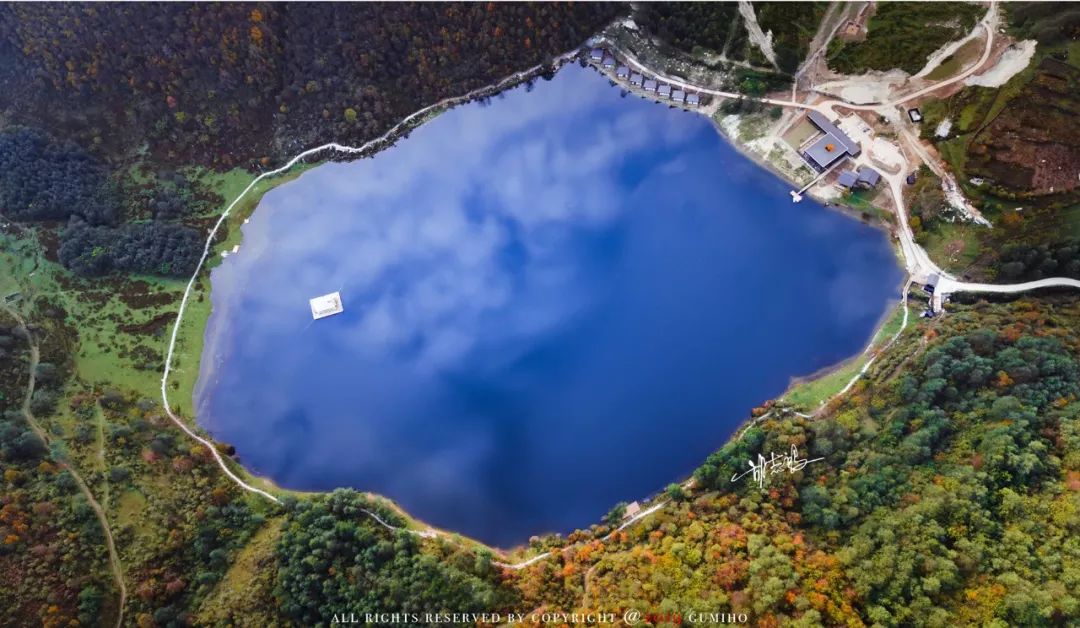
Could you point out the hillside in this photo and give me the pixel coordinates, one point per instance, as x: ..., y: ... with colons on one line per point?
x: 227, y: 85
x: 902, y: 35
x: 960, y: 445
x: 1016, y: 154
x: 944, y: 489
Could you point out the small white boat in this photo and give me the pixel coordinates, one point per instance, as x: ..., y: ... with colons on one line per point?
x: 326, y: 305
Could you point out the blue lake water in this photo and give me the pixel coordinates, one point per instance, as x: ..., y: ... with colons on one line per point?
x: 555, y: 302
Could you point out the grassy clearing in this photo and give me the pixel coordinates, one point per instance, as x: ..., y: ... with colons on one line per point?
x: 128, y: 508
x: 955, y: 246
x: 863, y: 201
x: 1072, y: 50
x: 1036, y: 105
x: 957, y: 61
x: 248, y: 574
x: 124, y: 322
x: 190, y: 338
x: 810, y: 394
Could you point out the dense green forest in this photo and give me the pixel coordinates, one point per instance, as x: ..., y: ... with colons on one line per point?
x: 717, y: 27
x: 948, y: 493
x: 131, y: 91
x: 792, y: 25
x: 691, y: 25
x: 43, y: 179
x: 333, y: 555
x: 227, y: 84
x: 903, y: 34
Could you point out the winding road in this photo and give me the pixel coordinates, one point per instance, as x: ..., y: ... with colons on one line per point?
x: 330, y: 147
x: 918, y: 263
x: 99, y: 512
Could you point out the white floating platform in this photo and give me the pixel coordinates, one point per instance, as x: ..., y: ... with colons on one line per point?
x: 326, y: 305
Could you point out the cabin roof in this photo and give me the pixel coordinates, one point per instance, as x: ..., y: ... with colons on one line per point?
x: 847, y: 178
x: 869, y: 176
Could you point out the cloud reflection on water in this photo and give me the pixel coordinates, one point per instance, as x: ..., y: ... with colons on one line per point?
x: 534, y: 289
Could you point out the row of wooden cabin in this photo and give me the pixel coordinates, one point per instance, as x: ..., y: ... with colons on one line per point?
x: 649, y: 85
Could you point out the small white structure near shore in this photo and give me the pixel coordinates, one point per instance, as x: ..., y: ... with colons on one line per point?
x: 326, y: 305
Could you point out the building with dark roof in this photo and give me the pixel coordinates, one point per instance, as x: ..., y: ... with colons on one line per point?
x: 831, y: 146
x: 664, y: 91
x: 868, y: 176
x: 847, y: 179
x: 911, y: 179
x: 622, y: 72
x: 597, y: 54
x: 609, y: 61
x: 825, y: 152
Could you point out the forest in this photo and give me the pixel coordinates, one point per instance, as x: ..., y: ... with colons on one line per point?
x: 948, y: 493
x: 154, y: 248
x: 689, y: 25
x: 335, y: 556
x: 1024, y: 262
x: 947, y: 496
x: 236, y: 84
x: 903, y: 35
x: 693, y: 27
x: 44, y: 180
x: 221, y: 86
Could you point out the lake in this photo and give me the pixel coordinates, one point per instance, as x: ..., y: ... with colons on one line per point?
x: 554, y: 302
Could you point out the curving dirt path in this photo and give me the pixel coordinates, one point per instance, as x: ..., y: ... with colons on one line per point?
x: 918, y: 262
x: 919, y: 265
x: 632, y: 520
x: 988, y: 24
x: 99, y: 512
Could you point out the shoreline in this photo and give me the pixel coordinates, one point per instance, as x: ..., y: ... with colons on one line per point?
x: 741, y: 147
x: 252, y: 203
x: 297, y: 166
x: 212, y: 247
x: 894, y: 306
